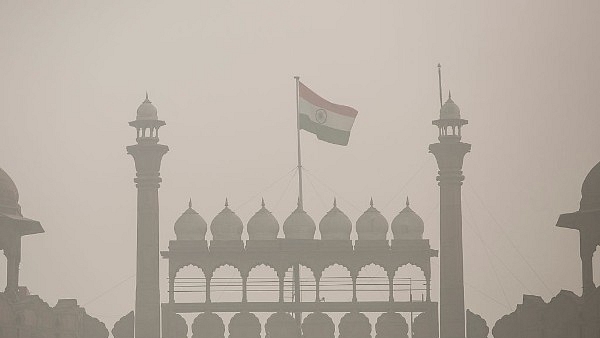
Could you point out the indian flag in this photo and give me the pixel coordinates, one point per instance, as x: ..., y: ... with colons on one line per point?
x: 329, y: 121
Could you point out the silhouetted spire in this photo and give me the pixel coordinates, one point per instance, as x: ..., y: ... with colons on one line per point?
x: 335, y: 202
x: 407, y: 201
x: 262, y: 202
x: 449, y: 95
x: 371, y: 202
x: 190, y: 203
x: 226, y: 202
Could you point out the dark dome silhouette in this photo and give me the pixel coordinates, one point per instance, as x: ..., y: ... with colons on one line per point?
x: 190, y: 225
x: 263, y: 225
x: 449, y: 110
x: 9, y: 195
x: 590, y: 190
x: 318, y: 325
x: 244, y: 325
x: 226, y: 226
x: 335, y: 225
x: 299, y: 225
x: 147, y: 111
x: 371, y: 225
x: 407, y: 224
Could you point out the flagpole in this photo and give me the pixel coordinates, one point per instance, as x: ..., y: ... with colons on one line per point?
x: 296, y: 268
x: 300, y: 197
x: 440, y: 82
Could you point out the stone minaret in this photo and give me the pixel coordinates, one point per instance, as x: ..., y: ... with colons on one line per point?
x: 147, y: 154
x: 449, y: 153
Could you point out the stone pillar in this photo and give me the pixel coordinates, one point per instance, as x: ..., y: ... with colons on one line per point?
x: 12, y: 251
x: 449, y: 153
x: 586, y: 251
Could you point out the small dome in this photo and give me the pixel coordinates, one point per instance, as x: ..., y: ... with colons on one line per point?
x: 407, y: 224
x: 147, y: 111
x: 449, y: 110
x: 226, y: 226
x: 590, y: 190
x: 9, y: 195
x: 299, y: 225
x: 371, y: 225
x: 190, y: 225
x: 335, y: 225
x: 263, y: 225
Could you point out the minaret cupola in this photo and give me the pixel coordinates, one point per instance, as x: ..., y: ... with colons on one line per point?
x: 450, y: 122
x: 146, y: 122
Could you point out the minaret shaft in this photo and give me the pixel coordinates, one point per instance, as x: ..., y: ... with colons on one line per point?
x: 147, y: 154
x: 449, y: 153
x: 147, y: 158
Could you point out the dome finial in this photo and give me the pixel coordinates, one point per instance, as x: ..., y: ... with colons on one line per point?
x: 371, y: 202
x: 190, y: 203
x: 407, y: 201
x: 262, y: 202
x: 335, y: 202
x: 226, y: 202
x: 449, y: 95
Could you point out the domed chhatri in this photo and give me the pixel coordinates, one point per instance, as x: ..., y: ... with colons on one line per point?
x: 147, y: 111
x: 263, y: 225
x: 335, y: 225
x: 407, y: 225
x: 449, y: 110
x: 371, y: 225
x: 590, y: 190
x: 299, y: 225
x: 226, y: 226
x: 190, y: 226
x: 9, y: 195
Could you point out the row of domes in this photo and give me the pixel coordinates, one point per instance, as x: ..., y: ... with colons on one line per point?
x: 335, y: 225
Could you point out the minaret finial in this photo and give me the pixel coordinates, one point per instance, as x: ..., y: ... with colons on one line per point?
x: 335, y: 202
x: 371, y: 202
x: 226, y: 202
x: 407, y: 201
x: 190, y: 203
x: 262, y: 202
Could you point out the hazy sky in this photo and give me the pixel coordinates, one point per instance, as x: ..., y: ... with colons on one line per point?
x: 72, y: 74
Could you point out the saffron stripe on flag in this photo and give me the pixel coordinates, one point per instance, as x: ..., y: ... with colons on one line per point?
x: 310, y: 96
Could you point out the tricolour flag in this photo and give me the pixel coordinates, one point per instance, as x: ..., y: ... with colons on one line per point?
x: 329, y: 121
